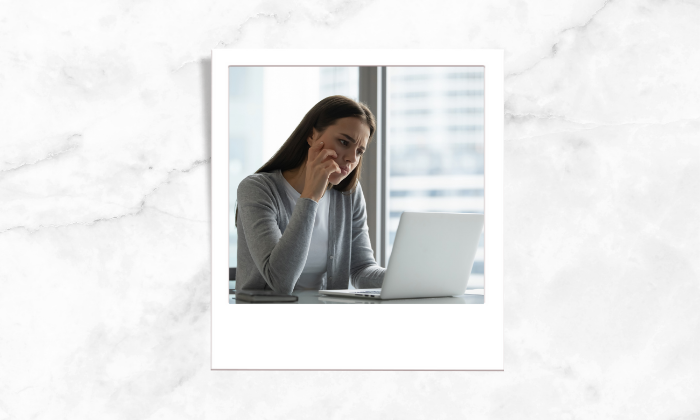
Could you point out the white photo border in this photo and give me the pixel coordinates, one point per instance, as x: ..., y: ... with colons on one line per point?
x: 358, y: 337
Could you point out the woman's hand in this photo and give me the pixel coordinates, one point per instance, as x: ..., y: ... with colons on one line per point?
x: 319, y: 166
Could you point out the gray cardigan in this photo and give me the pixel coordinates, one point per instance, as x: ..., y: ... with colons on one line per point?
x: 273, y: 241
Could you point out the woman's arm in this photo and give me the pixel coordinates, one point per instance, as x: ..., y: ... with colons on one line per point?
x: 364, y: 271
x: 280, y: 258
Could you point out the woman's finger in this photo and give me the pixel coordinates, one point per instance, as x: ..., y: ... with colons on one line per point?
x: 326, y: 153
x: 333, y: 167
x: 315, y: 150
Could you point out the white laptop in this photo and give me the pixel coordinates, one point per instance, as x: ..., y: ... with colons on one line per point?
x: 432, y: 256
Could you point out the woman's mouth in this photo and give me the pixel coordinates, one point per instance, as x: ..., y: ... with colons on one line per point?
x: 344, y: 171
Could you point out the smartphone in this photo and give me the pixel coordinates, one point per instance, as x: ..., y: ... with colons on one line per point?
x: 264, y: 296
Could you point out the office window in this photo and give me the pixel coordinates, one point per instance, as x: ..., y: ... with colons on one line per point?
x: 265, y: 106
x: 435, y: 134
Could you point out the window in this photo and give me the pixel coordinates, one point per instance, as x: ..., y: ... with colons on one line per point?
x: 435, y: 146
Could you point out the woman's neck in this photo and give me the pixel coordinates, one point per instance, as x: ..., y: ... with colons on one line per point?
x: 297, y: 178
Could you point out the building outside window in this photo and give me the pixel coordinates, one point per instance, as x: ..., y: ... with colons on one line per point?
x: 435, y: 135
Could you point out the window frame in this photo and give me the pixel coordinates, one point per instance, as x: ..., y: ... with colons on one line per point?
x: 375, y: 165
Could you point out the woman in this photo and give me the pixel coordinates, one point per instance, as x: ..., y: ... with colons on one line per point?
x: 301, y: 218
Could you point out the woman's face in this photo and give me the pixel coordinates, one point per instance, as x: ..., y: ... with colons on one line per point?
x: 348, y: 137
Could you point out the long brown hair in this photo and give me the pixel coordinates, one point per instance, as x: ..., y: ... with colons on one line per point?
x: 324, y: 114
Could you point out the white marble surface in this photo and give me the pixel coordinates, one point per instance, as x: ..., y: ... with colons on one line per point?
x: 105, y: 224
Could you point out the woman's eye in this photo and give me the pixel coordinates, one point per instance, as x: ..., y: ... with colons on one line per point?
x: 346, y: 143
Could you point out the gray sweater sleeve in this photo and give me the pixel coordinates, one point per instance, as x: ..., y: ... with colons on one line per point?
x: 280, y: 258
x: 365, y: 273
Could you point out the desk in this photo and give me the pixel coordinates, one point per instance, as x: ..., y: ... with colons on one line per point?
x: 471, y: 296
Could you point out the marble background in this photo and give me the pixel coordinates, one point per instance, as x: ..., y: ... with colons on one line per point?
x: 105, y: 223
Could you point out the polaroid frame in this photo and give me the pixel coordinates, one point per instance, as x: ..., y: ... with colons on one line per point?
x: 358, y: 337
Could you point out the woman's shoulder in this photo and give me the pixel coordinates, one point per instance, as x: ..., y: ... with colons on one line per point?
x: 256, y: 183
x: 260, y: 177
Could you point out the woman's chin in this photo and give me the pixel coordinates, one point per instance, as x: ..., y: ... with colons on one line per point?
x: 336, y: 179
